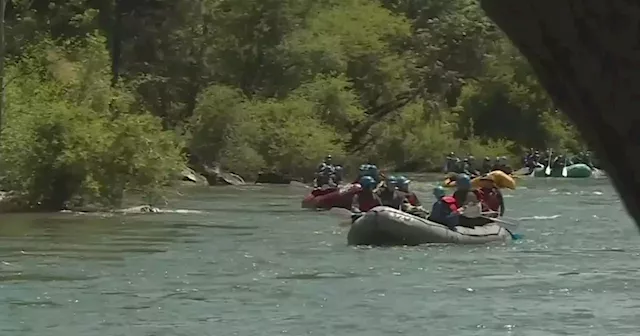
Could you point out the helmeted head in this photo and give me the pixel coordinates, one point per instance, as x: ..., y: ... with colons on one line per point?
x: 367, y: 182
x: 463, y: 182
x: 471, y: 158
x: 372, y: 170
x: 403, y: 183
x: 362, y: 170
x: 328, y: 158
x: 487, y: 159
x: 438, y: 192
x: 466, y: 160
x: 391, y: 182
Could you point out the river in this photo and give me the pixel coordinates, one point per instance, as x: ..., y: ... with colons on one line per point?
x: 253, y: 263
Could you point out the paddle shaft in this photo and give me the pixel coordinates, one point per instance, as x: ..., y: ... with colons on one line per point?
x: 500, y: 221
x: 547, y: 170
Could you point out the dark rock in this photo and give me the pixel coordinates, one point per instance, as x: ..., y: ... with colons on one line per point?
x: 273, y: 178
x: 216, y: 176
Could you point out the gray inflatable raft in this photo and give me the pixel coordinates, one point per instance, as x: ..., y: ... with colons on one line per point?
x: 387, y: 226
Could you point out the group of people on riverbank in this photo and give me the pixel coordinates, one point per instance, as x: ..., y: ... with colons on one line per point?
x: 556, y: 160
x: 471, y: 167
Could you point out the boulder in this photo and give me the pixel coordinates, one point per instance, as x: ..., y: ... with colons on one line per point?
x: 273, y: 178
x: 189, y: 175
x: 138, y: 209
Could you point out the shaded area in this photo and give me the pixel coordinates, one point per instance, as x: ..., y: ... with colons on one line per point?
x: 585, y: 53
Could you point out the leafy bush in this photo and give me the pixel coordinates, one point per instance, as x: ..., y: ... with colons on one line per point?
x: 69, y: 137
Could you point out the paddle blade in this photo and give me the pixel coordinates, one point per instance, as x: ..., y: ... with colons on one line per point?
x: 564, y: 172
x: 547, y: 170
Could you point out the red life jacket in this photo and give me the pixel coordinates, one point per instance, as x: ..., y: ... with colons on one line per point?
x: 451, y: 202
x: 367, y: 201
x: 413, y: 199
x: 491, y: 199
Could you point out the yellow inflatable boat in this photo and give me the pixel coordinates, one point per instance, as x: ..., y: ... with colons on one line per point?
x: 500, y: 178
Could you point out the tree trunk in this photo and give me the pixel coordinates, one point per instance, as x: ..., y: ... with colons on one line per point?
x: 3, y: 7
x: 586, y: 55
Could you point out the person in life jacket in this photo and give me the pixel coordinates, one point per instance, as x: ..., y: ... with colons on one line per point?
x: 365, y: 199
x: 491, y: 196
x: 469, y: 203
x: 413, y: 205
x: 391, y: 196
x: 444, y: 209
x: 403, y: 186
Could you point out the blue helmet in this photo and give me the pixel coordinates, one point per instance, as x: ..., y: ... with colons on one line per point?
x: 438, y: 192
x: 403, y: 181
x: 367, y: 182
x: 392, y: 181
x: 372, y: 171
x: 362, y: 170
x: 463, y: 182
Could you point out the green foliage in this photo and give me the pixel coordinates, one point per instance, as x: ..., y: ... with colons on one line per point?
x: 69, y: 137
x: 259, y: 85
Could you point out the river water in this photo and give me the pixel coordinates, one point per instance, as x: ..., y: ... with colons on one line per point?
x: 253, y: 263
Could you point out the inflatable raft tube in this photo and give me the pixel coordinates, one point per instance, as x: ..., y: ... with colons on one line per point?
x: 578, y: 170
x: 501, y: 179
x: 384, y: 226
x: 327, y: 198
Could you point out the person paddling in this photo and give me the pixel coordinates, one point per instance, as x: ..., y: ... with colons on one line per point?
x: 403, y: 186
x: 390, y: 196
x: 469, y: 203
x: 492, y: 197
x: 365, y: 199
x: 444, y: 209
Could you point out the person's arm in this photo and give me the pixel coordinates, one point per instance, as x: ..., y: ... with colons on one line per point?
x: 355, y: 204
x: 501, y: 199
x: 415, y: 198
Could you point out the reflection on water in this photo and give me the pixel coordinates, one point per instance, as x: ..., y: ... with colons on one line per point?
x: 248, y: 261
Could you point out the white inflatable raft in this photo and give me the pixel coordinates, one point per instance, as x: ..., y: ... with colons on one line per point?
x: 387, y: 226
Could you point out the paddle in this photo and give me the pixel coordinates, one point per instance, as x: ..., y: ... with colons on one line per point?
x: 500, y: 221
x: 475, y: 214
x: 547, y: 170
x: 564, y: 168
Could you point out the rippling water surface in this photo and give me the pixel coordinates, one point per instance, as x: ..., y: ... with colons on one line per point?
x: 253, y: 263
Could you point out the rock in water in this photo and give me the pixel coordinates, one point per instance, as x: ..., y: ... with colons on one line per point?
x: 139, y: 209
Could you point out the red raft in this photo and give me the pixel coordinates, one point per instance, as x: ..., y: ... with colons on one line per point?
x: 328, y: 198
